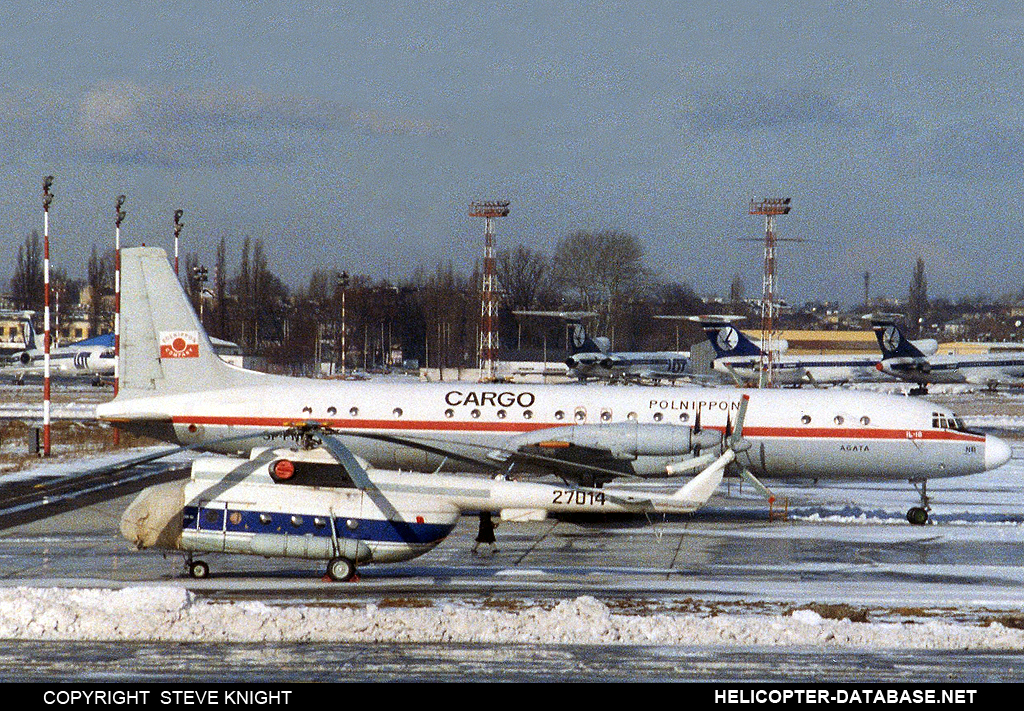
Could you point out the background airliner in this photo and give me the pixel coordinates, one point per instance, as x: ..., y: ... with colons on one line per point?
x: 92, y: 357
x: 903, y: 359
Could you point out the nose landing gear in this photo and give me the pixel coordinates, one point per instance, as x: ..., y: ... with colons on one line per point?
x: 918, y: 515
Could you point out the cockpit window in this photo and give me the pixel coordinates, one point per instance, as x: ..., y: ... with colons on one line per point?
x: 943, y: 421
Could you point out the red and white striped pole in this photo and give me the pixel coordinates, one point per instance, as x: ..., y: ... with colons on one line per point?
x: 47, y: 199
x: 177, y: 231
x: 118, y: 217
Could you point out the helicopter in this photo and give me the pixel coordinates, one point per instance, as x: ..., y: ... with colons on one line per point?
x: 318, y: 501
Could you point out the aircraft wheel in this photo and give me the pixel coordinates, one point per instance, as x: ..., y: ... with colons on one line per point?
x: 341, y: 569
x: 917, y: 516
x: 198, y: 570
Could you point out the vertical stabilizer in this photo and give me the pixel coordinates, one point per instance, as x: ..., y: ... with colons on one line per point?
x: 581, y: 342
x: 164, y: 348
x: 727, y: 340
x: 893, y: 342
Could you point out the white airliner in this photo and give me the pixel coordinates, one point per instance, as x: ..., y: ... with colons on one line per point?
x: 93, y: 357
x: 593, y: 358
x: 904, y: 359
x: 739, y: 357
x: 174, y: 388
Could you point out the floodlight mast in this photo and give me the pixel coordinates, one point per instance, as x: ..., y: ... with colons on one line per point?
x: 47, y: 199
x: 488, y: 346
x: 119, y: 216
x: 770, y: 208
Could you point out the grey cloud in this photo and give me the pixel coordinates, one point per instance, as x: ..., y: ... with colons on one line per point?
x: 750, y: 110
x: 976, y: 150
x: 129, y: 122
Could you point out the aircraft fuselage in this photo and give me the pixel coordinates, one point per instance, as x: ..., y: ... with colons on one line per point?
x: 793, y: 434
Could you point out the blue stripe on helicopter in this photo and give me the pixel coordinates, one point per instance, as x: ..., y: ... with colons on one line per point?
x: 365, y: 529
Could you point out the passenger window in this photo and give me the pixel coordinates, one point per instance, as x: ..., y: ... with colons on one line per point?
x: 559, y: 415
x: 806, y: 419
x: 658, y: 417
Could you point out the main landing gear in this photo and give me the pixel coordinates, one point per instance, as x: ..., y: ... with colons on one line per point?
x: 918, y: 515
x: 339, y: 569
x: 196, y: 569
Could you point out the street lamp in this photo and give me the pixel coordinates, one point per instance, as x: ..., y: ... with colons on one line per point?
x: 200, y: 276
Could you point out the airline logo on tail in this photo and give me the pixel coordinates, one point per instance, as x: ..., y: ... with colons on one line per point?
x: 179, y: 344
x: 728, y: 338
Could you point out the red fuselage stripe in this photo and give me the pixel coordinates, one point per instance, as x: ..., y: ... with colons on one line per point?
x: 514, y: 427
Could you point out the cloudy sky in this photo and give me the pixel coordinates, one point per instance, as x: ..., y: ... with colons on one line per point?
x: 354, y: 136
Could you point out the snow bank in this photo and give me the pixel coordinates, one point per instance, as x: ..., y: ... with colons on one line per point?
x: 172, y: 613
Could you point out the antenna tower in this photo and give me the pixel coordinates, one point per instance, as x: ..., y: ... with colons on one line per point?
x: 488, y: 346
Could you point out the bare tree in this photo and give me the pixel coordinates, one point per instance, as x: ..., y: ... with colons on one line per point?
x: 917, y: 301
x: 601, y: 269
x: 27, y: 282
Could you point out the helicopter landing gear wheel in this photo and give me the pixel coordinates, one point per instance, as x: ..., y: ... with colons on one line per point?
x: 198, y: 569
x: 341, y: 570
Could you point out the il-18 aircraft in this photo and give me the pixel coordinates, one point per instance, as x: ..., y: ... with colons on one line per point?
x: 904, y: 359
x: 739, y: 357
x: 174, y: 388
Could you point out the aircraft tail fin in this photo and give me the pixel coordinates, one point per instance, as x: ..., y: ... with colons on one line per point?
x: 727, y: 340
x: 164, y: 348
x: 893, y: 342
x: 581, y: 342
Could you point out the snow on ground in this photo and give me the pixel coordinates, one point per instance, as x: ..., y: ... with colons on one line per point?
x: 171, y: 613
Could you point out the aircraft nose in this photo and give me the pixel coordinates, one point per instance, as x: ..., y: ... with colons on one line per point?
x: 997, y: 452
x: 154, y: 518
